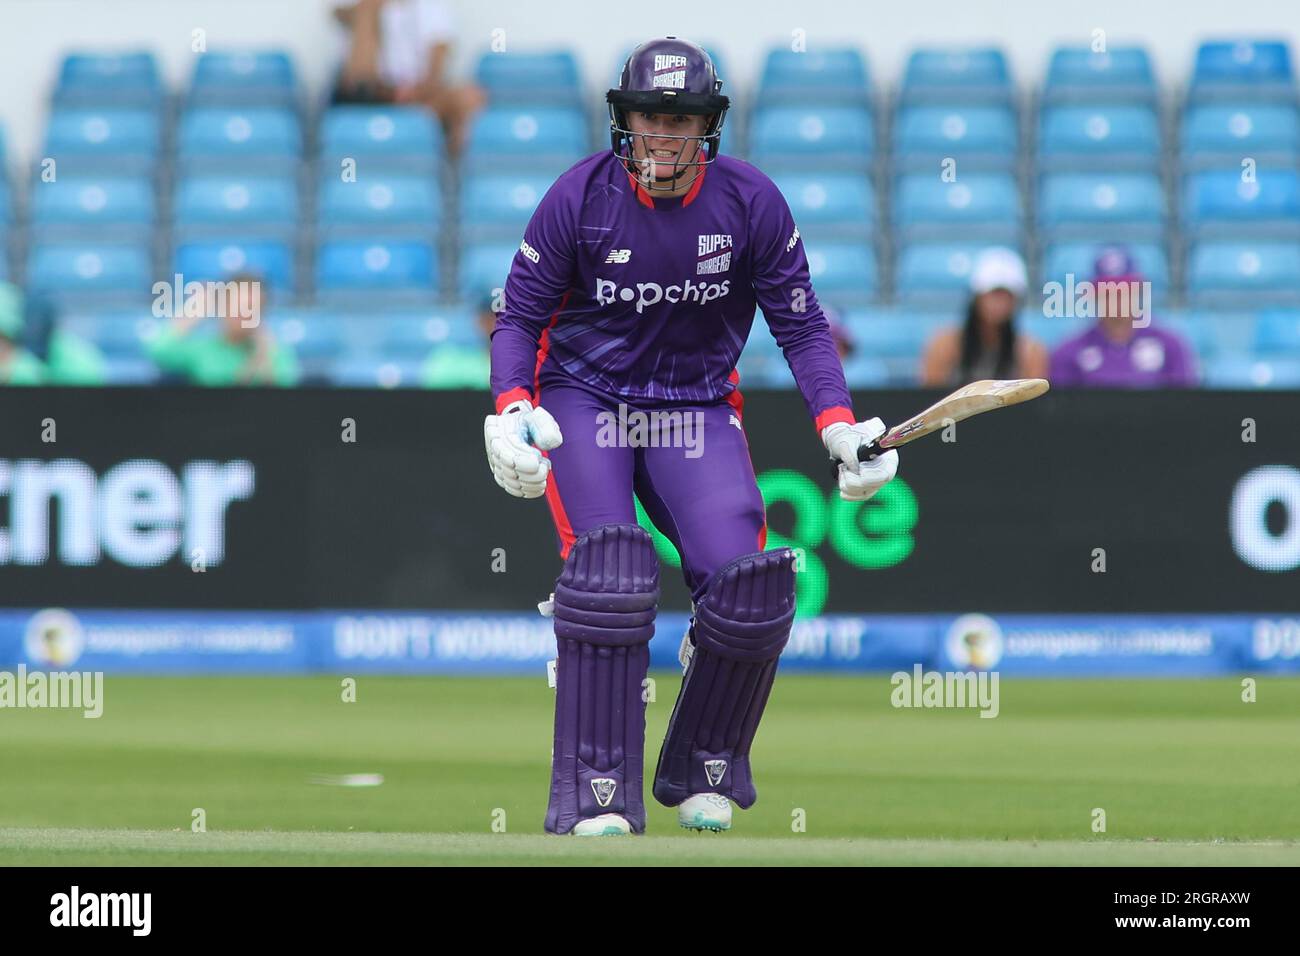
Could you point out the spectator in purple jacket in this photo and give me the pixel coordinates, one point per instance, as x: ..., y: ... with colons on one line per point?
x: 1123, y: 349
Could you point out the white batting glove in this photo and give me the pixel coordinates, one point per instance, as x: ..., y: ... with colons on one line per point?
x: 859, y: 480
x: 515, y: 440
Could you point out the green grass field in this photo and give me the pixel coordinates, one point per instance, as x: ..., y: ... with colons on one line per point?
x: 1186, y: 772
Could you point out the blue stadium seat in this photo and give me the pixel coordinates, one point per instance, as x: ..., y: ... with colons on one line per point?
x: 1222, y: 134
x: 829, y: 205
x: 1126, y: 206
x: 1193, y: 327
x: 117, y: 334
x: 379, y: 274
x: 115, y: 209
x: 1082, y: 75
x: 935, y: 273
x: 541, y: 78
x: 244, y: 78
x: 407, y: 205
x: 102, y: 141
x: 1227, y: 327
x: 259, y: 140
x: 862, y: 370
x: 760, y: 336
x: 1050, y: 330
x: 766, y: 369
x: 1237, y: 69
x: 375, y: 371
x: 1241, y: 274
x: 219, y: 259
x: 956, y: 75
x: 1062, y: 259
x: 1278, y: 330
x: 1098, y: 137
x: 107, y: 275
x: 978, y: 137
x: 255, y: 205
x: 313, y: 334
x: 821, y: 76
x: 484, y: 267
x: 1252, y: 371
x: 500, y: 203
x: 1220, y: 203
x: 812, y: 136
x: 414, y: 334
x: 843, y: 271
x: 528, y: 138
x: 109, y: 80
x: 380, y: 138
x: 977, y: 206
x: 894, y: 337
x: 129, y: 370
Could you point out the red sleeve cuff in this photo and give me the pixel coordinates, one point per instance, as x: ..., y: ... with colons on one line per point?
x: 514, y: 395
x: 836, y: 413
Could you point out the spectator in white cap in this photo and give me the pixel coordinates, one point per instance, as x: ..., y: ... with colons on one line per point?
x: 987, y: 344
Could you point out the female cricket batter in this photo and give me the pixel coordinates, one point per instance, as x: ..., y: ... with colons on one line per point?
x: 635, y: 286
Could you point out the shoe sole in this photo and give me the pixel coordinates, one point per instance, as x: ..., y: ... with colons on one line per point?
x: 709, y: 826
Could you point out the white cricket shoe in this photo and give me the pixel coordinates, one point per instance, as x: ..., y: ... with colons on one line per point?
x: 705, y: 811
x: 607, y: 824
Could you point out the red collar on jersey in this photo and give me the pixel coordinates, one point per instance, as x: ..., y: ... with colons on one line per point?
x: 648, y: 200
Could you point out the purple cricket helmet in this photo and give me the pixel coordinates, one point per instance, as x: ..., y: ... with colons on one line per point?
x: 668, y: 75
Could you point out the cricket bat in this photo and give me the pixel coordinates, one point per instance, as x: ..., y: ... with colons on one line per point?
x: 973, y: 399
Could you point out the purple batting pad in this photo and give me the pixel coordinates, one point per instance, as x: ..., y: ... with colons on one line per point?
x: 741, y: 624
x: 605, y: 602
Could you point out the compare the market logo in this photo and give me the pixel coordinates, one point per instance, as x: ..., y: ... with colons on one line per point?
x: 865, y: 534
x: 139, y: 512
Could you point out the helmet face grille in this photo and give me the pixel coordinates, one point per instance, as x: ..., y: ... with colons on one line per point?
x: 688, y: 159
x: 667, y: 76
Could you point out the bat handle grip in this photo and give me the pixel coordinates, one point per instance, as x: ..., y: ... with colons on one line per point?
x: 870, y: 452
x: 865, y: 453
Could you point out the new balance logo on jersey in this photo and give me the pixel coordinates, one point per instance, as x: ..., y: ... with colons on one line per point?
x: 733, y: 420
x: 602, y: 788
x: 652, y: 293
x: 529, y: 252
x: 794, y: 238
x: 618, y: 256
x: 715, y: 770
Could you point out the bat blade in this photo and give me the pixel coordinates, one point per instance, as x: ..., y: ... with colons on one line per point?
x: 973, y: 399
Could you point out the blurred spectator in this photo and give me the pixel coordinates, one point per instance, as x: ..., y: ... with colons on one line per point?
x: 398, y: 53
x: 239, y: 351
x: 463, y: 366
x: 1116, y: 353
x: 68, y: 358
x: 17, y: 365
x: 987, y: 344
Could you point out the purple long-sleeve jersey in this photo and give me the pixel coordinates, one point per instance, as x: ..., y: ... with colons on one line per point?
x: 652, y: 299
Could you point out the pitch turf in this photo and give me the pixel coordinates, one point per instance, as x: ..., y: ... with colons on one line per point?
x: 1185, y: 771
